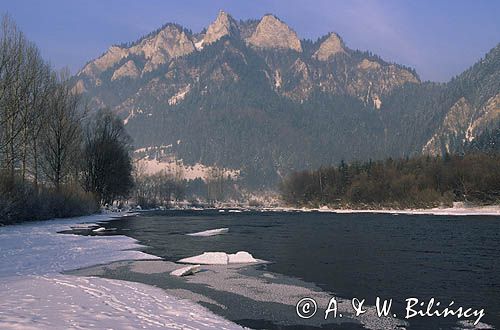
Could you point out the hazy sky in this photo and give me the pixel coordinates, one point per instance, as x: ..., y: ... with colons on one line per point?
x: 440, y: 38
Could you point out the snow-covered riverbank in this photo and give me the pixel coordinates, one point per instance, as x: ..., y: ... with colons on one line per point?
x: 457, y: 210
x: 453, y: 211
x: 35, y: 295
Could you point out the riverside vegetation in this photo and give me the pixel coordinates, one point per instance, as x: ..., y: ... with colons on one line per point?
x: 57, y: 158
x: 420, y: 182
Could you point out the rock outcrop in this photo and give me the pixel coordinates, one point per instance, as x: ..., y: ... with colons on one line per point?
x: 332, y: 46
x: 463, y: 123
x: 452, y: 129
x: 224, y: 25
x: 273, y: 33
x: 107, y: 60
x: 126, y: 70
x: 170, y: 42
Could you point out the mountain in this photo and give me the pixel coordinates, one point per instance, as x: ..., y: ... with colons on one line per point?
x: 253, y: 97
x: 434, y: 119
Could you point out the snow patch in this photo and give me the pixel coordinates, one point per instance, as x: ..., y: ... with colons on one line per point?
x: 170, y: 165
x: 199, y: 45
x: 72, y: 302
x: 180, y: 95
x: 36, y: 248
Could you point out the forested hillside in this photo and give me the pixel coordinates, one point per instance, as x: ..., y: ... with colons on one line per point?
x: 252, y: 96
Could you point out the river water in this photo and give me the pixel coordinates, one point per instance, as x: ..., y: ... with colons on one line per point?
x: 448, y: 258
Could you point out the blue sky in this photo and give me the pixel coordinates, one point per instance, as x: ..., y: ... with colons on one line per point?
x: 439, y: 38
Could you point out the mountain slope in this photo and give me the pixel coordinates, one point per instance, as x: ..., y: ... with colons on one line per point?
x: 435, y: 118
x: 252, y: 96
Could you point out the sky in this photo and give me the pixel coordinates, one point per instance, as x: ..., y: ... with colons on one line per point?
x: 439, y: 38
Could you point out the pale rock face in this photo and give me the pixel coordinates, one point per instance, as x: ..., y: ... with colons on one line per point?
x: 180, y: 95
x: 79, y: 87
x: 171, y: 42
x: 127, y: 70
x: 272, y: 33
x: 302, y: 90
x: 224, y: 25
x: 110, y: 58
x: 457, y: 120
x: 277, y: 79
x: 463, y: 123
x: 377, y: 102
x: 488, y: 114
x: 368, y: 65
x: 331, y: 46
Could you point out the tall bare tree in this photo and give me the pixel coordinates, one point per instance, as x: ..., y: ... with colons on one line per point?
x: 107, y: 168
x: 61, y: 135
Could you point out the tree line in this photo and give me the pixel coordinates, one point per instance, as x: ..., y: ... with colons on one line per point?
x: 412, y: 182
x: 57, y: 158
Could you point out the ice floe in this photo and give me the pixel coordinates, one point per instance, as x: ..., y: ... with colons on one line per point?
x: 211, y: 232
x: 184, y: 271
x: 241, y: 257
x: 220, y: 258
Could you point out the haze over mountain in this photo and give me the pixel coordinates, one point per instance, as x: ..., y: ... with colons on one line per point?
x: 254, y: 97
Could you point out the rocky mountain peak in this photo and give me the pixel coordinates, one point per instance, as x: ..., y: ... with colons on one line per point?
x: 113, y: 55
x: 332, y: 45
x: 273, y: 33
x: 222, y: 26
x: 169, y: 42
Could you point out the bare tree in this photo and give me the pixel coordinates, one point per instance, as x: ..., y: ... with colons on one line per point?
x: 107, y: 168
x: 61, y: 134
x: 12, y: 66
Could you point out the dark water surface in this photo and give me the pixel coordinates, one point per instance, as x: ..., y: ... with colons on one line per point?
x: 449, y: 258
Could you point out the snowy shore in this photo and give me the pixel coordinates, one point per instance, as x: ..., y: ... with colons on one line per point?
x: 493, y: 210
x: 35, y: 295
x: 275, y: 205
x: 457, y: 210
